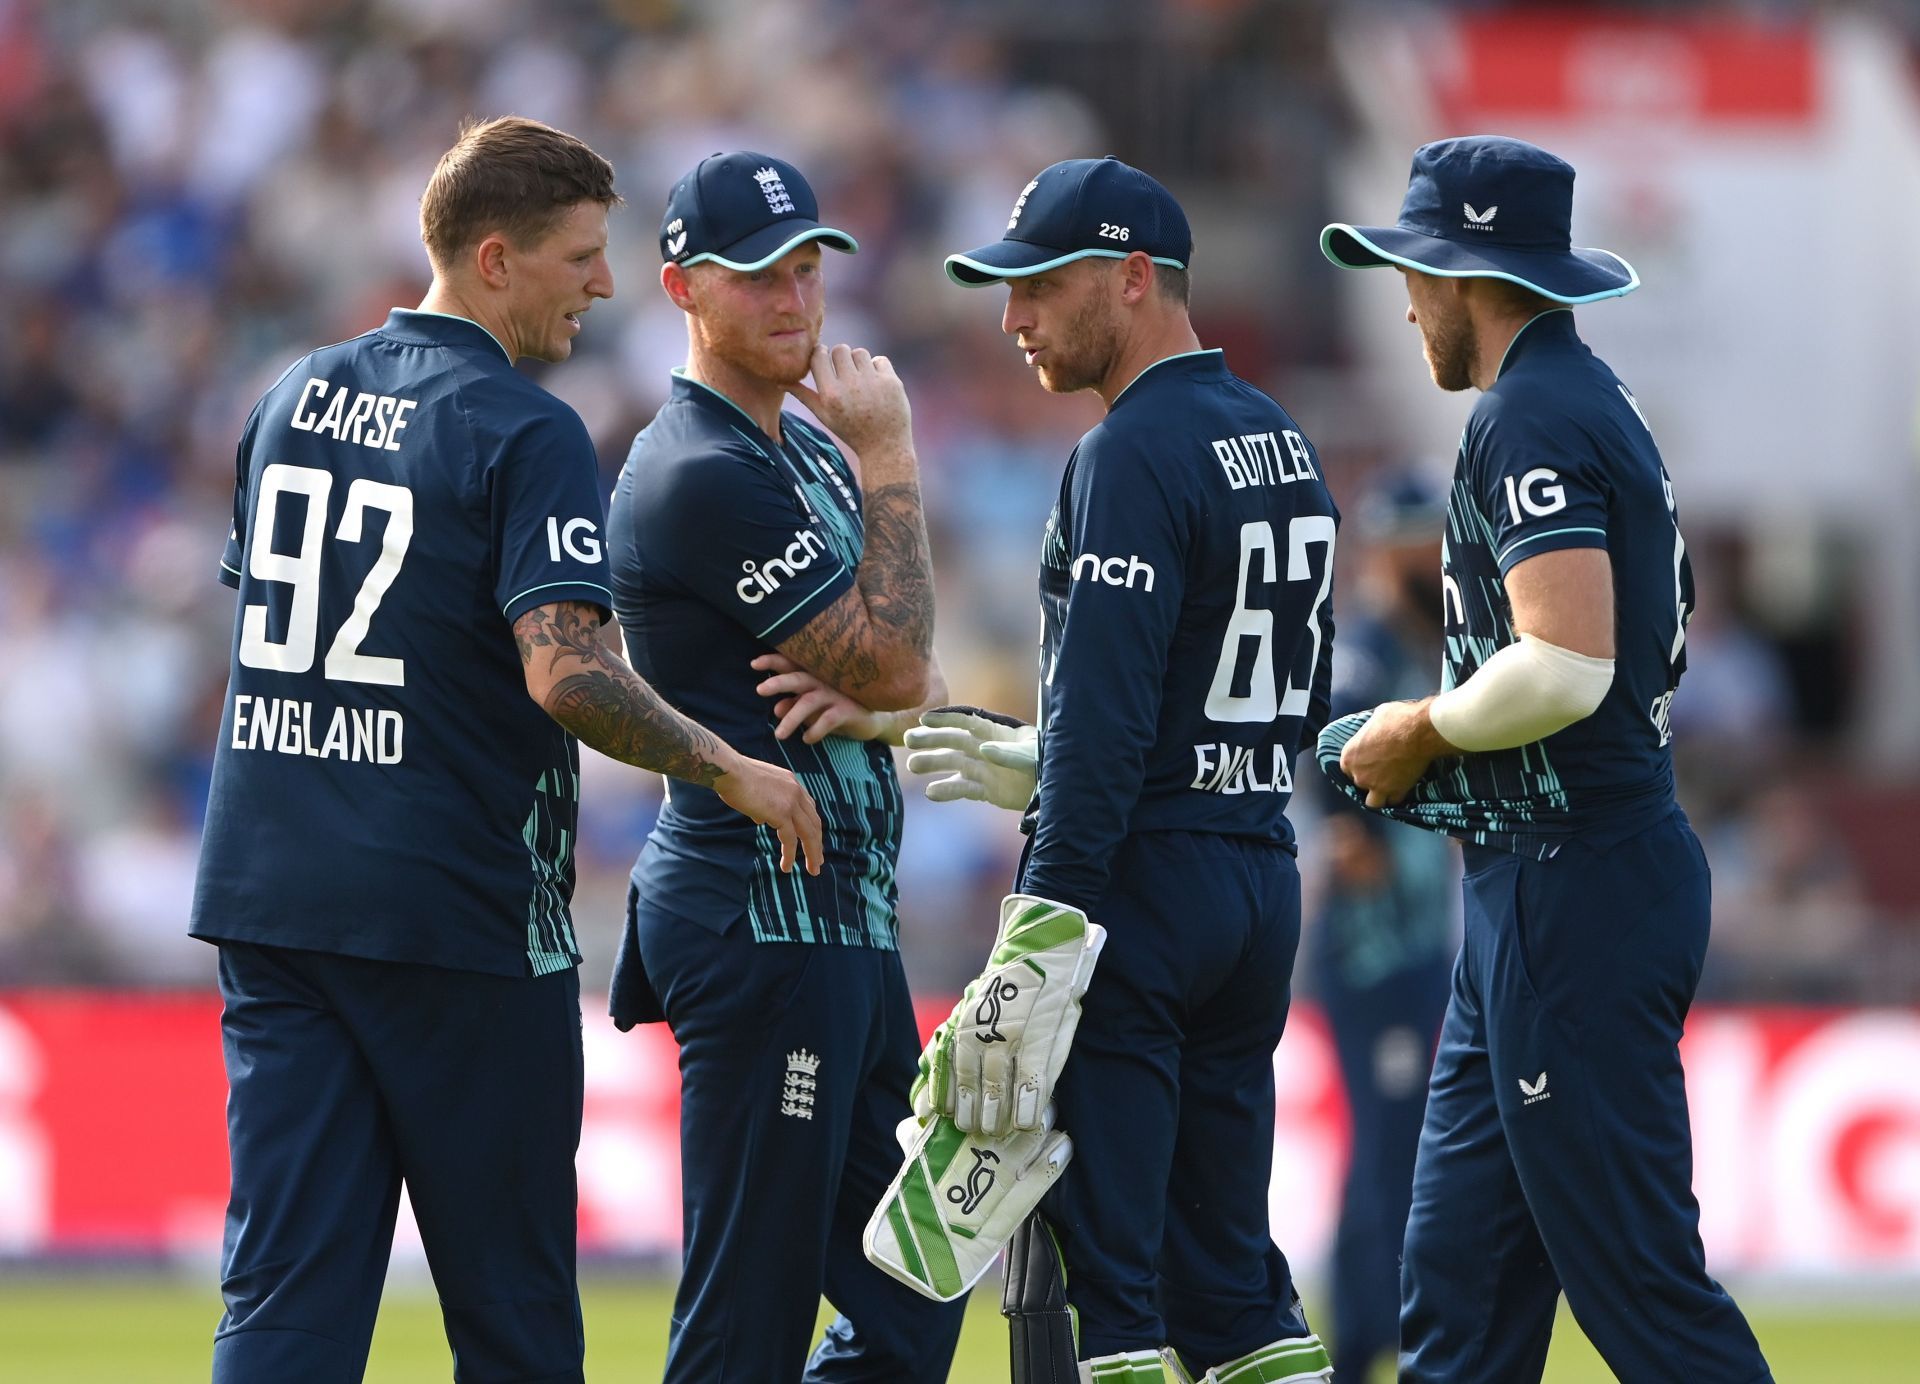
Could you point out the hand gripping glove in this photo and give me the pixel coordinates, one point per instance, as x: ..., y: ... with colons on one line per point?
x: 983, y: 755
x: 992, y: 1064
x: 957, y: 1201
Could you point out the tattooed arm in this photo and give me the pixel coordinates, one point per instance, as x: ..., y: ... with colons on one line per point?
x: 589, y: 689
x: 808, y: 707
x: 875, y: 643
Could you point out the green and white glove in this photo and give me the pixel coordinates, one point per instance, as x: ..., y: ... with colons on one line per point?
x: 982, y: 755
x: 957, y: 1200
x: 991, y: 1066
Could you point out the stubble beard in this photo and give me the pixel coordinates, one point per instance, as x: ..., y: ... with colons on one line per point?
x: 1451, y: 348
x: 1083, y: 352
x: 755, y: 356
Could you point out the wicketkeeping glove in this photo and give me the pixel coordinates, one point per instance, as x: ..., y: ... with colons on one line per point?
x: 983, y: 755
x: 957, y: 1200
x: 993, y: 1063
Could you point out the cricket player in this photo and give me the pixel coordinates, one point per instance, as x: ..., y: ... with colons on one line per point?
x: 781, y: 590
x: 1185, y: 585
x: 388, y: 852
x: 1556, y: 1152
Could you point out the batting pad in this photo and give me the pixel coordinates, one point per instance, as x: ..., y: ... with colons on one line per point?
x: 957, y: 1201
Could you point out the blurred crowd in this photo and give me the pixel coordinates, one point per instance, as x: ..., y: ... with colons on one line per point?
x: 193, y: 193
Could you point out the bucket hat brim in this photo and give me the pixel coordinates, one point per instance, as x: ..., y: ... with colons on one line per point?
x: 1571, y: 276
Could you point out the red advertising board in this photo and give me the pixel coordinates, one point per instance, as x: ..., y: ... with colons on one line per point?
x: 1807, y: 1133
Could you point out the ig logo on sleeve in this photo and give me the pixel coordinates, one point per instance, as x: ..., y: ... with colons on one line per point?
x: 567, y: 538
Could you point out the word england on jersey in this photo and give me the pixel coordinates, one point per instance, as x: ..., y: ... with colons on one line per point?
x: 359, y: 735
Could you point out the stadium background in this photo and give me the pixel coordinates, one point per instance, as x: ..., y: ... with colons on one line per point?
x: 194, y: 192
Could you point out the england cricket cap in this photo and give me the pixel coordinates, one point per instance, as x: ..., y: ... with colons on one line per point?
x: 1484, y: 206
x: 743, y: 210
x: 1081, y: 209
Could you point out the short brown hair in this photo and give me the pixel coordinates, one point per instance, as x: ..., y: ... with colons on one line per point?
x: 512, y: 175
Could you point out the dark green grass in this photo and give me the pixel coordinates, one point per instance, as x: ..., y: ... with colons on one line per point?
x: 88, y: 1330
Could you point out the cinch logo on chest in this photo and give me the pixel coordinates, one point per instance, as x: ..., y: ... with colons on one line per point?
x: 764, y: 578
x: 1112, y: 571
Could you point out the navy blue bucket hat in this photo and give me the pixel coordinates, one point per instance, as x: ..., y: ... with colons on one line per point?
x: 1484, y: 206
x: 743, y: 210
x: 1081, y: 209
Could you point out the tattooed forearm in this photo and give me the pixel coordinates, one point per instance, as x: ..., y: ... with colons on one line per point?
x: 623, y: 718
x: 589, y: 689
x: 876, y: 641
x: 896, y: 572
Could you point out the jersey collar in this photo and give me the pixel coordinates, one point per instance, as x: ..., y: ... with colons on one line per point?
x: 698, y: 392
x: 1554, y: 324
x: 442, y: 328
x: 1194, y: 364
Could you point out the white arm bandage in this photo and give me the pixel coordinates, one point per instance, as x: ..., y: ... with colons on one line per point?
x: 1524, y: 693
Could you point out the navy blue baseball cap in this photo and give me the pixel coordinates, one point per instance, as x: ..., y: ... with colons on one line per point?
x: 1081, y: 209
x: 743, y: 210
x: 1484, y: 206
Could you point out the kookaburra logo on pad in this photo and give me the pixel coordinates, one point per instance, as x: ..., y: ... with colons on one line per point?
x: 1478, y: 220
x: 987, y: 1013
x: 980, y: 1179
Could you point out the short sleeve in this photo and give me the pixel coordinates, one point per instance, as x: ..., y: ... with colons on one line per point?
x: 549, y: 524
x: 1539, y: 480
x: 737, y: 534
x: 232, y: 559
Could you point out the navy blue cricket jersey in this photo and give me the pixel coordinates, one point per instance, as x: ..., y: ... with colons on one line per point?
x: 1186, y: 588
x: 724, y: 543
x: 1556, y: 455
x: 383, y: 785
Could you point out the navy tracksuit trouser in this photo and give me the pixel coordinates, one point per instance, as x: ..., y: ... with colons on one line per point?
x: 1384, y: 1034
x: 1556, y: 1152
x: 348, y: 1076
x: 1168, y: 1095
x: 795, y: 1059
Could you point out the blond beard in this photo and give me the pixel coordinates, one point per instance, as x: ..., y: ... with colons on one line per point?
x: 1093, y: 340
x: 1451, y: 348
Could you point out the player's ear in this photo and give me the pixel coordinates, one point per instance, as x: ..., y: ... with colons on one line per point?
x: 1136, y: 277
x: 678, y: 285
x: 490, y: 260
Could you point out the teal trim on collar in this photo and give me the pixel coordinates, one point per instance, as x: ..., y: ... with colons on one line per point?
x: 455, y: 317
x: 1545, y: 312
x: 1180, y: 355
x: 680, y: 376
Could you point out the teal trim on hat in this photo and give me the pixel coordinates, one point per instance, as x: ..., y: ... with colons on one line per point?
x: 1477, y: 272
x: 995, y: 272
x: 839, y: 240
